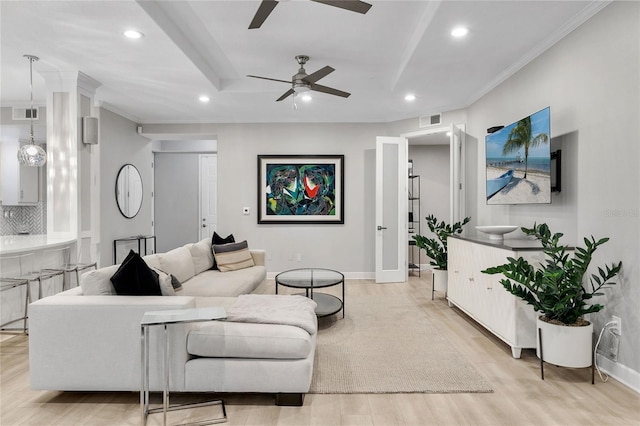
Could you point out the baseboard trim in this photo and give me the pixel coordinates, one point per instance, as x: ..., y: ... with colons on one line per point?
x: 620, y: 372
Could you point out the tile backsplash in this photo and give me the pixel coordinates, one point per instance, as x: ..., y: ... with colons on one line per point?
x: 20, y: 219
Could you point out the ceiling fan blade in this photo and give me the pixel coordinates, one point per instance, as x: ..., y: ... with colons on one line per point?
x: 265, y: 9
x: 352, y: 5
x: 329, y: 90
x: 272, y: 79
x: 322, y: 72
x: 285, y: 95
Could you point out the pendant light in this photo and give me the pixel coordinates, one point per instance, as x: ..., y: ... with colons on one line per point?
x: 31, y: 154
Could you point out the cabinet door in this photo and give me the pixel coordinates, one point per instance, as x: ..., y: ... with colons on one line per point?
x: 458, y: 251
x: 498, y: 304
x: 463, y: 289
x: 19, y: 183
x: 28, y: 184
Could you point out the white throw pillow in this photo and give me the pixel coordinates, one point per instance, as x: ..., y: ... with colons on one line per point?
x: 177, y: 262
x: 98, y: 282
x: 152, y: 260
x: 164, y: 280
x: 201, y: 254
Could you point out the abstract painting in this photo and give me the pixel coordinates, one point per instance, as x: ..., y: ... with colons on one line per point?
x: 301, y: 189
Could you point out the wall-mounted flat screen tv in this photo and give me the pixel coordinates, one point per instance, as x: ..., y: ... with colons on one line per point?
x: 519, y: 162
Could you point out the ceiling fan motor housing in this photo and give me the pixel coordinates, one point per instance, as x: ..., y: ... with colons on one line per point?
x: 299, y: 85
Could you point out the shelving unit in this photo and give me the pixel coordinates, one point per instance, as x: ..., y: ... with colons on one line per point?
x: 414, y: 222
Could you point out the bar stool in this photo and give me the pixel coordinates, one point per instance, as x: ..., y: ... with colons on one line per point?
x: 55, y: 262
x: 59, y: 261
x: 8, y: 284
x: 84, y: 261
x: 15, y: 276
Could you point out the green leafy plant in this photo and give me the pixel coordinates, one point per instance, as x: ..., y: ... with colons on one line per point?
x: 436, y: 248
x: 557, y: 288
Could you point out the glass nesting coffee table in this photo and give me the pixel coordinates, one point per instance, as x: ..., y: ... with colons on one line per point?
x: 310, y: 279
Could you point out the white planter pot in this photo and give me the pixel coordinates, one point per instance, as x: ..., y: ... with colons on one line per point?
x: 565, y: 346
x: 440, y: 280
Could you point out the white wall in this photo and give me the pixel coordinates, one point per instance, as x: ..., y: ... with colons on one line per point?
x: 591, y: 81
x: 348, y: 248
x: 119, y: 145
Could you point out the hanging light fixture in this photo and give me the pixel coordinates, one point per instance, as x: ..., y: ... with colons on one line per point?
x: 31, y: 154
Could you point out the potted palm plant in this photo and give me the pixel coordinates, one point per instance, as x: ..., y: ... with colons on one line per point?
x: 558, y: 290
x: 436, y: 248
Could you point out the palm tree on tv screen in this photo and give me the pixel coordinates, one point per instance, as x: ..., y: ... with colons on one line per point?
x: 521, y: 136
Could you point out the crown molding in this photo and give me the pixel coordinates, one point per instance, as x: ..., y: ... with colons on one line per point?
x: 589, y: 11
x: 116, y: 110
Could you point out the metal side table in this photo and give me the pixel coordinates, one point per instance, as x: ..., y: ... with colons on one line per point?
x: 141, y: 239
x: 165, y: 318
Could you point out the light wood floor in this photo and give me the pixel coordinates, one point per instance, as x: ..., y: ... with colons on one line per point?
x: 565, y: 397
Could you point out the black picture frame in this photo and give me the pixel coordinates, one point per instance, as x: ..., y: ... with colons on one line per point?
x: 301, y: 189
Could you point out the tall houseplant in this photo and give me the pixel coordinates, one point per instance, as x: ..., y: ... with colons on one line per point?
x: 436, y: 247
x: 558, y: 288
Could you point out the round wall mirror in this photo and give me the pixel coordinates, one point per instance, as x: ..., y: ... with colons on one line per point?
x: 129, y: 191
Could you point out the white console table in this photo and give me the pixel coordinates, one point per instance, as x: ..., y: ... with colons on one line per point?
x: 482, y: 297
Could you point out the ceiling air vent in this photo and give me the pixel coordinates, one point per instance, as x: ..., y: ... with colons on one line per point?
x: 430, y: 120
x: 24, y: 113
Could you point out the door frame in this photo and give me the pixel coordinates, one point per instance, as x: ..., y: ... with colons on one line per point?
x: 456, y: 161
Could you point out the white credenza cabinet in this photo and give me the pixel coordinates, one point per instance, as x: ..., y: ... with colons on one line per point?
x: 482, y: 297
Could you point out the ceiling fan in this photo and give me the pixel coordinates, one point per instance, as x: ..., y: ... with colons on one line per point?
x: 267, y: 6
x: 303, y: 82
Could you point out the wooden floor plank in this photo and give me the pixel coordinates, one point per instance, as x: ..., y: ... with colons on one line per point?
x: 520, y: 397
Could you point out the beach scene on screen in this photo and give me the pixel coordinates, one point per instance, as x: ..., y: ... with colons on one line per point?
x: 518, y: 162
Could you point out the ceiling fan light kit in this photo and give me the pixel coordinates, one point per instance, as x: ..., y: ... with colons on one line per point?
x: 303, y: 82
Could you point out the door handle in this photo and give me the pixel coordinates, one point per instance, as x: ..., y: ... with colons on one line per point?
x: 204, y: 225
x: 380, y: 228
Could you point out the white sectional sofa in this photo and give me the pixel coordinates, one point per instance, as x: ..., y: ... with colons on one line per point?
x: 89, y: 339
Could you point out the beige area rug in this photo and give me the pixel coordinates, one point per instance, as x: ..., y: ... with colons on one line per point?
x: 387, y: 345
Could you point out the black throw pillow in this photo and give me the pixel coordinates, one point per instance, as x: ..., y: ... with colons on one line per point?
x: 216, y: 240
x: 135, y: 278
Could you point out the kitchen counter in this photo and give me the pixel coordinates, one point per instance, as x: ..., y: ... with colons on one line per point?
x: 16, y: 244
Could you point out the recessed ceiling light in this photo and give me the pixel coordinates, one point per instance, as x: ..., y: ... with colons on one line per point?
x: 410, y: 97
x: 133, y: 34
x: 459, y: 31
x: 204, y: 99
x: 306, y: 98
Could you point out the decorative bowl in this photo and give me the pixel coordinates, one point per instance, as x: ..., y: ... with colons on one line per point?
x: 496, y: 232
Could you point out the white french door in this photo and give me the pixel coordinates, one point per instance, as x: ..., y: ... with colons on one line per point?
x: 208, y: 195
x: 391, y: 209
